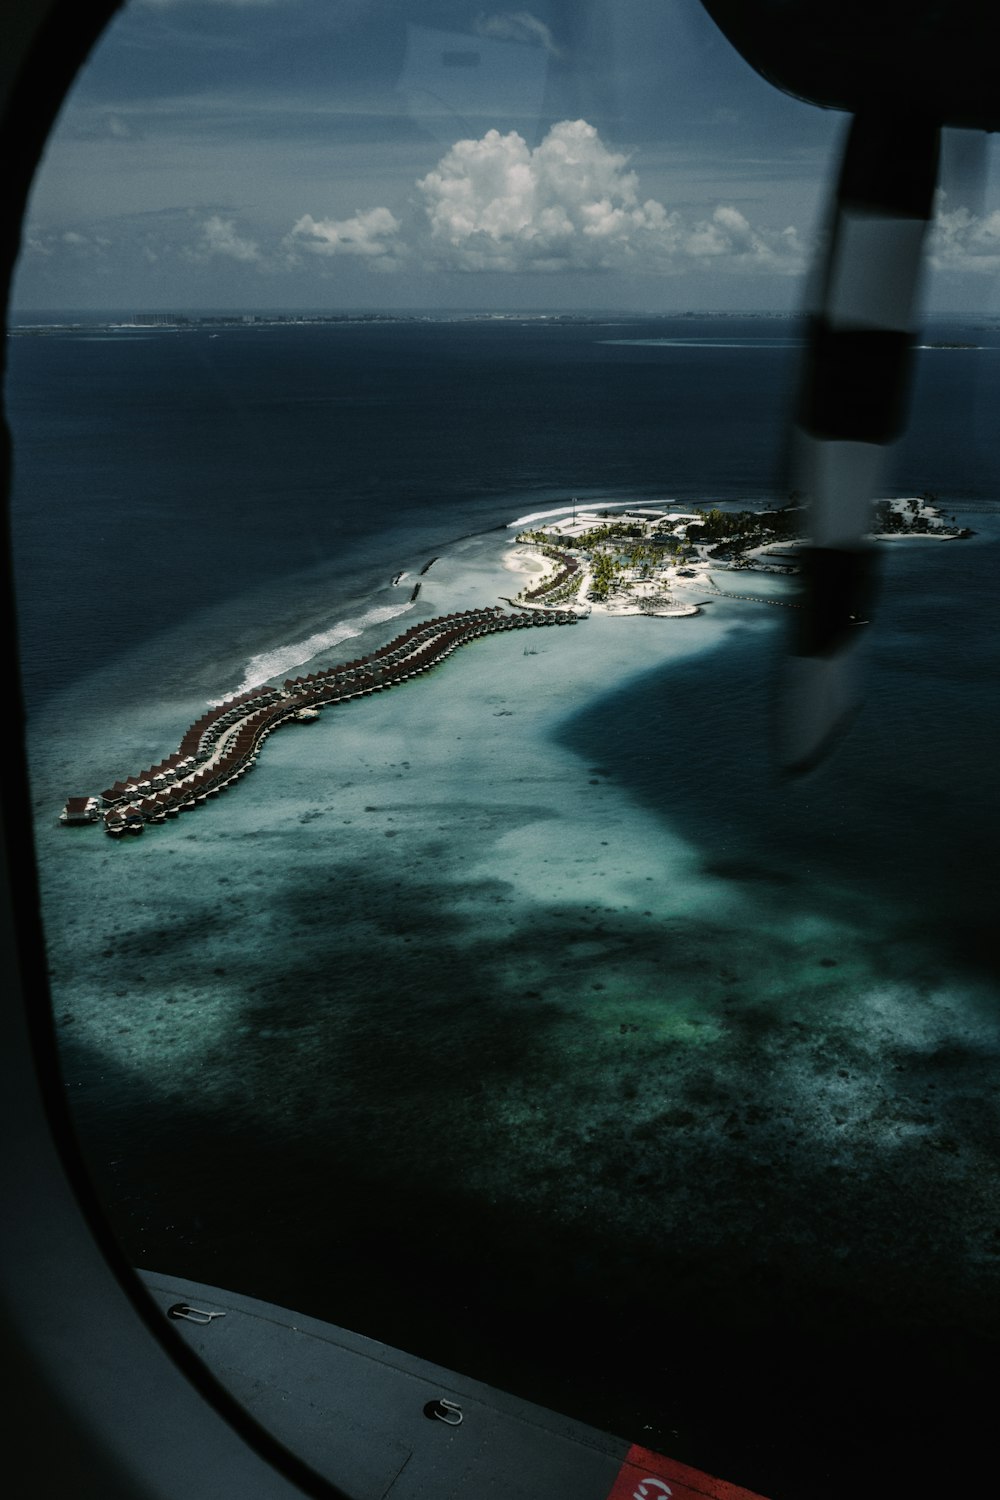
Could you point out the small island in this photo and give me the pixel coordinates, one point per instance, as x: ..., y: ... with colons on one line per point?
x: 651, y: 560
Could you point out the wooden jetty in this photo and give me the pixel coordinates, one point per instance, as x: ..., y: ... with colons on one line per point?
x: 222, y: 746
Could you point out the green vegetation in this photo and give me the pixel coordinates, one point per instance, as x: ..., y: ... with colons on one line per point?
x: 625, y: 551
x: 746, y: 528
x: 890, y: 520
x: 604, y: 571
x: 597, y: 535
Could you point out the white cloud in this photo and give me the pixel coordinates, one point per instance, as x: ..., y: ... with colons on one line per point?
x: 492, y: 204
x: 219, y: 237
x: 68, y: 242
x: 964, y: 241
x: 729, y: 234
x: 37, y: 242
x: 371, y: 235
x: 571, y: 204
x: 166, y: 253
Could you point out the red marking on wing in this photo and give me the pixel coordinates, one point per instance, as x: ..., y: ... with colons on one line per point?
x: 649, y: 1476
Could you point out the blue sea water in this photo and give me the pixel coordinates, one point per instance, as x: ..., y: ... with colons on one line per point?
x: 187, y: 505
x: 252, y: 457
x: 217, y: 468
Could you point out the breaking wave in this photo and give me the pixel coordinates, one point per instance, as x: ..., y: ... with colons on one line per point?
x: 281, y: 660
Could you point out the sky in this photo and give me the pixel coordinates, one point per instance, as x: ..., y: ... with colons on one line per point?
x: 335, y: 155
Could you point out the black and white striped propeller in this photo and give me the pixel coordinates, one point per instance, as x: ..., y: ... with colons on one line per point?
x: 852, y: 403
x: 902, y: 70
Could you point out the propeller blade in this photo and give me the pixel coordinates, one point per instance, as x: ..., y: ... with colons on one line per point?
x: 852, y: 404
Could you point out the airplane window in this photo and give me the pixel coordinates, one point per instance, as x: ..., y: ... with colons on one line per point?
x: 399, y: 398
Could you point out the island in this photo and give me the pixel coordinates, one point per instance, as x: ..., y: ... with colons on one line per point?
x: 644, y: 559
x: 654, y: 561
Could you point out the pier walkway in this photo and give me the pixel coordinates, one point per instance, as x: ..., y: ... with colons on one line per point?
x: 222, y: 746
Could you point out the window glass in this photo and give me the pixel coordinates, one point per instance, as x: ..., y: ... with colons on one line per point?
x: 515, y: 1011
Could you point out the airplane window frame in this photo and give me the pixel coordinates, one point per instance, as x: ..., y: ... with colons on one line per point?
x: 49, y: 1196
x: 82, y: 1341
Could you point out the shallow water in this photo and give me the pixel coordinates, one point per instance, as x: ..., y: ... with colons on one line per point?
x: 523, y: 944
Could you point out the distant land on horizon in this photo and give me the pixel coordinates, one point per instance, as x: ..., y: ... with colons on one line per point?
x: 200, y: 316
x: 162, y: 315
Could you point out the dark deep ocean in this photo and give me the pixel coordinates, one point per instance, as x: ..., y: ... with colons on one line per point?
x: 161, y: 472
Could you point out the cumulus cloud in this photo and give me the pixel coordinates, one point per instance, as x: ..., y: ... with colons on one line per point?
x: 729, y: 234
x: 74, y: 243
x: 492, y: 204
x: 219, y: 237
x: 372, y: 235
x: 964, y: 241
x: 495, y: 204
x: 568, y: 204
x: 207, y: 243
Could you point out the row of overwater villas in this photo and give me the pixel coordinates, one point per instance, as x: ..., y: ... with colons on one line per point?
x: 570, y: 569
x: 223, y: 745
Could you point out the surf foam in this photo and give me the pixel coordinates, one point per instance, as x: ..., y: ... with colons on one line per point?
x: 281, y: 660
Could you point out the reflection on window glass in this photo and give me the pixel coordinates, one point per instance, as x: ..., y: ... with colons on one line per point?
x: 399, y: 396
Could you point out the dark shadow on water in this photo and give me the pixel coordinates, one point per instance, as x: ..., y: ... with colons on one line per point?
x: 901, y: 822
x: 724, y: 1358
x: 704, y: 1281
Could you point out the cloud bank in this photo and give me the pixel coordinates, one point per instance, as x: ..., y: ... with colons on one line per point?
x: 373, y: 236
x: 568, y: 204
x: 219, y: 237
x: 964, y: 241
x: 492, y: 204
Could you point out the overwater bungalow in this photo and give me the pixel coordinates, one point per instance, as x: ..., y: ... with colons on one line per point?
x: 229, y: 737
x: 81, y: 810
